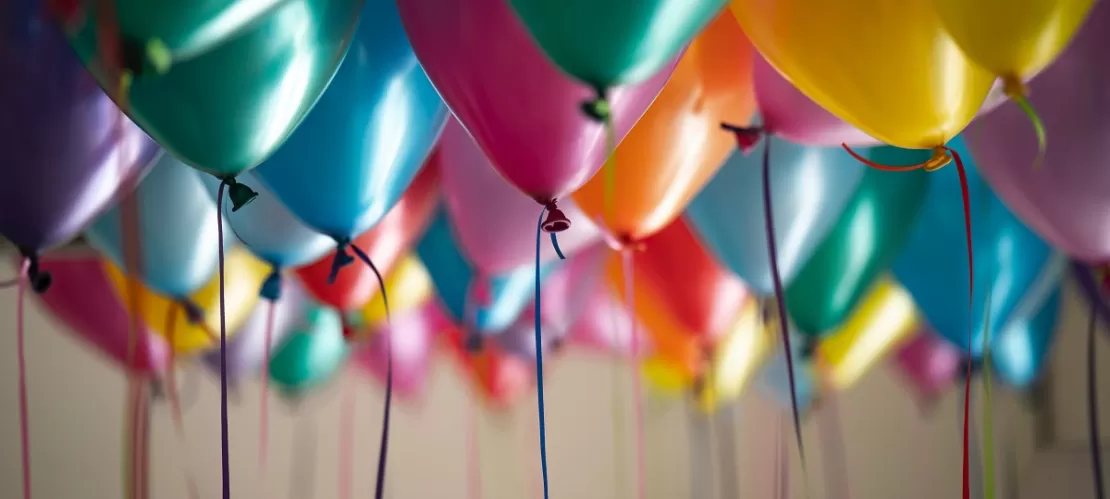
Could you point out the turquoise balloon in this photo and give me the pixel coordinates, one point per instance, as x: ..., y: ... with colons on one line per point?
x: 220, y: 83
x: 609, y: 42
x: 1011, y: 261
x: 1021, y: 350
x: 364, y: 142
x: 312, y: 354
x: 455, y: 279
x: 177, y: 233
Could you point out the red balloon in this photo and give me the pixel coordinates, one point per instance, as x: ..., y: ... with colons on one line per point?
x: 385, y: 244
x: 701, y: 294
x: 499, y: 378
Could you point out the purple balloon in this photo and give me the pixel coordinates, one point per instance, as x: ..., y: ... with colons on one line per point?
x: 84, y: 300
x: 929, y: 363
x: 67, y: 149
x: 246, y: 350
x: 1067, y: 200
x: 413, y: 336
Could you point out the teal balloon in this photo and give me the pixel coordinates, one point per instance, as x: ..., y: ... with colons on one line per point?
x: 364, y: 142
x: 457, y: 282
x: 178, y: 240
x: 1012, y: 263
x: 312, y: 354
x: 221, y: 83
x: 609, y: 42
x: 1020, y: 351
x: 810, y: 187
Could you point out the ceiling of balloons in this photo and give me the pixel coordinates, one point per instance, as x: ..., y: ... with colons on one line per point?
x: 727, y: 194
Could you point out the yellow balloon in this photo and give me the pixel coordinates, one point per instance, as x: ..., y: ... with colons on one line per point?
x: 885, y: 318
x: 243, y: 278
x: 1014, y: 39
x: 736, y: 358
x: 408, y: 286
x: 665, y: 378
x: 886, y: 66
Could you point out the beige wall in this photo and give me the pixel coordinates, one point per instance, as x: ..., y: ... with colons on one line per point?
x: 893, y: 448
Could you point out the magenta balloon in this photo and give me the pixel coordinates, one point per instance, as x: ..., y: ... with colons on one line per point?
x: 929, y: 363
x: 1067, y: 200
x: 413, y: 336
x: 521, y: 109
x: 789, y: 114
x: 491, y: 217
x: 82, y: 297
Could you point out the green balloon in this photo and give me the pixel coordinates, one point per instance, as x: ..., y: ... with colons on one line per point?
x: 872, y: 229
x: 610, y: 42
x: 221, y: 83
x: 312, y: 354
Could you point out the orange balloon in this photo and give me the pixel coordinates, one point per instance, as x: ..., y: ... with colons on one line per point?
x: 678, y: 144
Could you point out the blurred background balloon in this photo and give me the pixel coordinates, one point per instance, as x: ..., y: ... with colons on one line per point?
x: 1064, y: 201
x: 735, y: 358
x: 82, y: 298
x: 312, y: 354
x: 178, y: 241
x: 409, y: 288
x: 217, y: 86
x: 246, y: 350
x: 411, y: 336
x: 522, y: 112
x: 499, y: 379
x: 375, y: 124
x: 932, y: 266
x: 519, y: 339
x: 196, y: 318
x: 1022, y: 348
x: 871, y: 231
x: 929, y: 363
x: 810, y: 188
x: 385, y: 244
x: 491, y: 217
x: 67, y: 148
x: 677, y: 145
x: 775, y: 377
x: 789, y: 114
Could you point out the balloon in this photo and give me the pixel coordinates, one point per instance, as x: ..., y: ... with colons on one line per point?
x: 700, y: 293
x: 665, y: 378
x: 499, y: 378
x: 375, y: 126
x: 385, y: 244
x: 196, y: 318
x: 176, y: 231
x: 810, y: 187
x: 82, y: 298
x: 312, y: 354
x: 491, y: 216
x: 408, y: 286
x: 518, y: 107
x: 270, y: 230
x: 678, y: 145
x: 610, y: 42
x: 1011, y: 261
x: 871, y: 231
x: 519, y: 339
x: 775, y: 378
x: 1021, y: 350
x: 459, y: 286
x: 930, y: 363
x: 736, y: 357
x: 887, y: 68
x: 246, y: 350
x: 218, y: 85
x: 789, y: 114
x: 412, y: 336
x: 1064, y: 201
x: 67, y: 148
x: 885, y: 318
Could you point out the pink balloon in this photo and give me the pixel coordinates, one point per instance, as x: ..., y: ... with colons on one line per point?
x: 929, y: 363
x: 492, y: 218
x: 413, y: 336
x: 1067, y: 200
x: 521, y: 109
x: 83, y: 299
x: 789, y: 114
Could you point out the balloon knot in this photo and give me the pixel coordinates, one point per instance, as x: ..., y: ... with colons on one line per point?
x: 349, y: 333
x: 271, y: 287
x: 557, y: 345
x: 746, y: 137
x: 342, y: 258
x: 193, y: 313
x: 598, y: 109
x: 141, y: 58
x: 239, y: 193
x: 473, y: 343
x: 1013, y: 87
x: 39, y: 279
x: 809, y: 348
x: 480, y: 288
x: 556, y: 220
x: 698, y: 386
x: 976, y: 367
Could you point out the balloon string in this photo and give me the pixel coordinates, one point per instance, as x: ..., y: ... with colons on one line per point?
x: 539, y: 361
x: 129, y: 423
x: 302, y: 478
x: 383, y: 449
x: 20, y: 334
x: 988, y: 415
x: 175, y: 402
x: 610, y: 167
x: 224, y: 447
x: 834, y: 456
x: 780, y: 295
x: 618, y: 411
x: 1092, y: 409
x: 264, y: 411
x: 346, y: 440
x: 784, y: 465
x: 144, y: 440
x: 474, y: 455
x: 1017, y: 92
x: 637, y: 390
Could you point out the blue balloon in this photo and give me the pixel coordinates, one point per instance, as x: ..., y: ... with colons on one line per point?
x: 810, y: 187
x: 269, y: 230
x: 362, y: 144
x: 775, y: 379
x: 1009, y: 259
x: 455, y: 278
x: 177, y: 230
x: 1020, y: 351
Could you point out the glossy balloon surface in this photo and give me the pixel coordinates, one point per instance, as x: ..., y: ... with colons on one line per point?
x: 312, y: 355
x: 789, y: 114
x: 1021, y: 350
